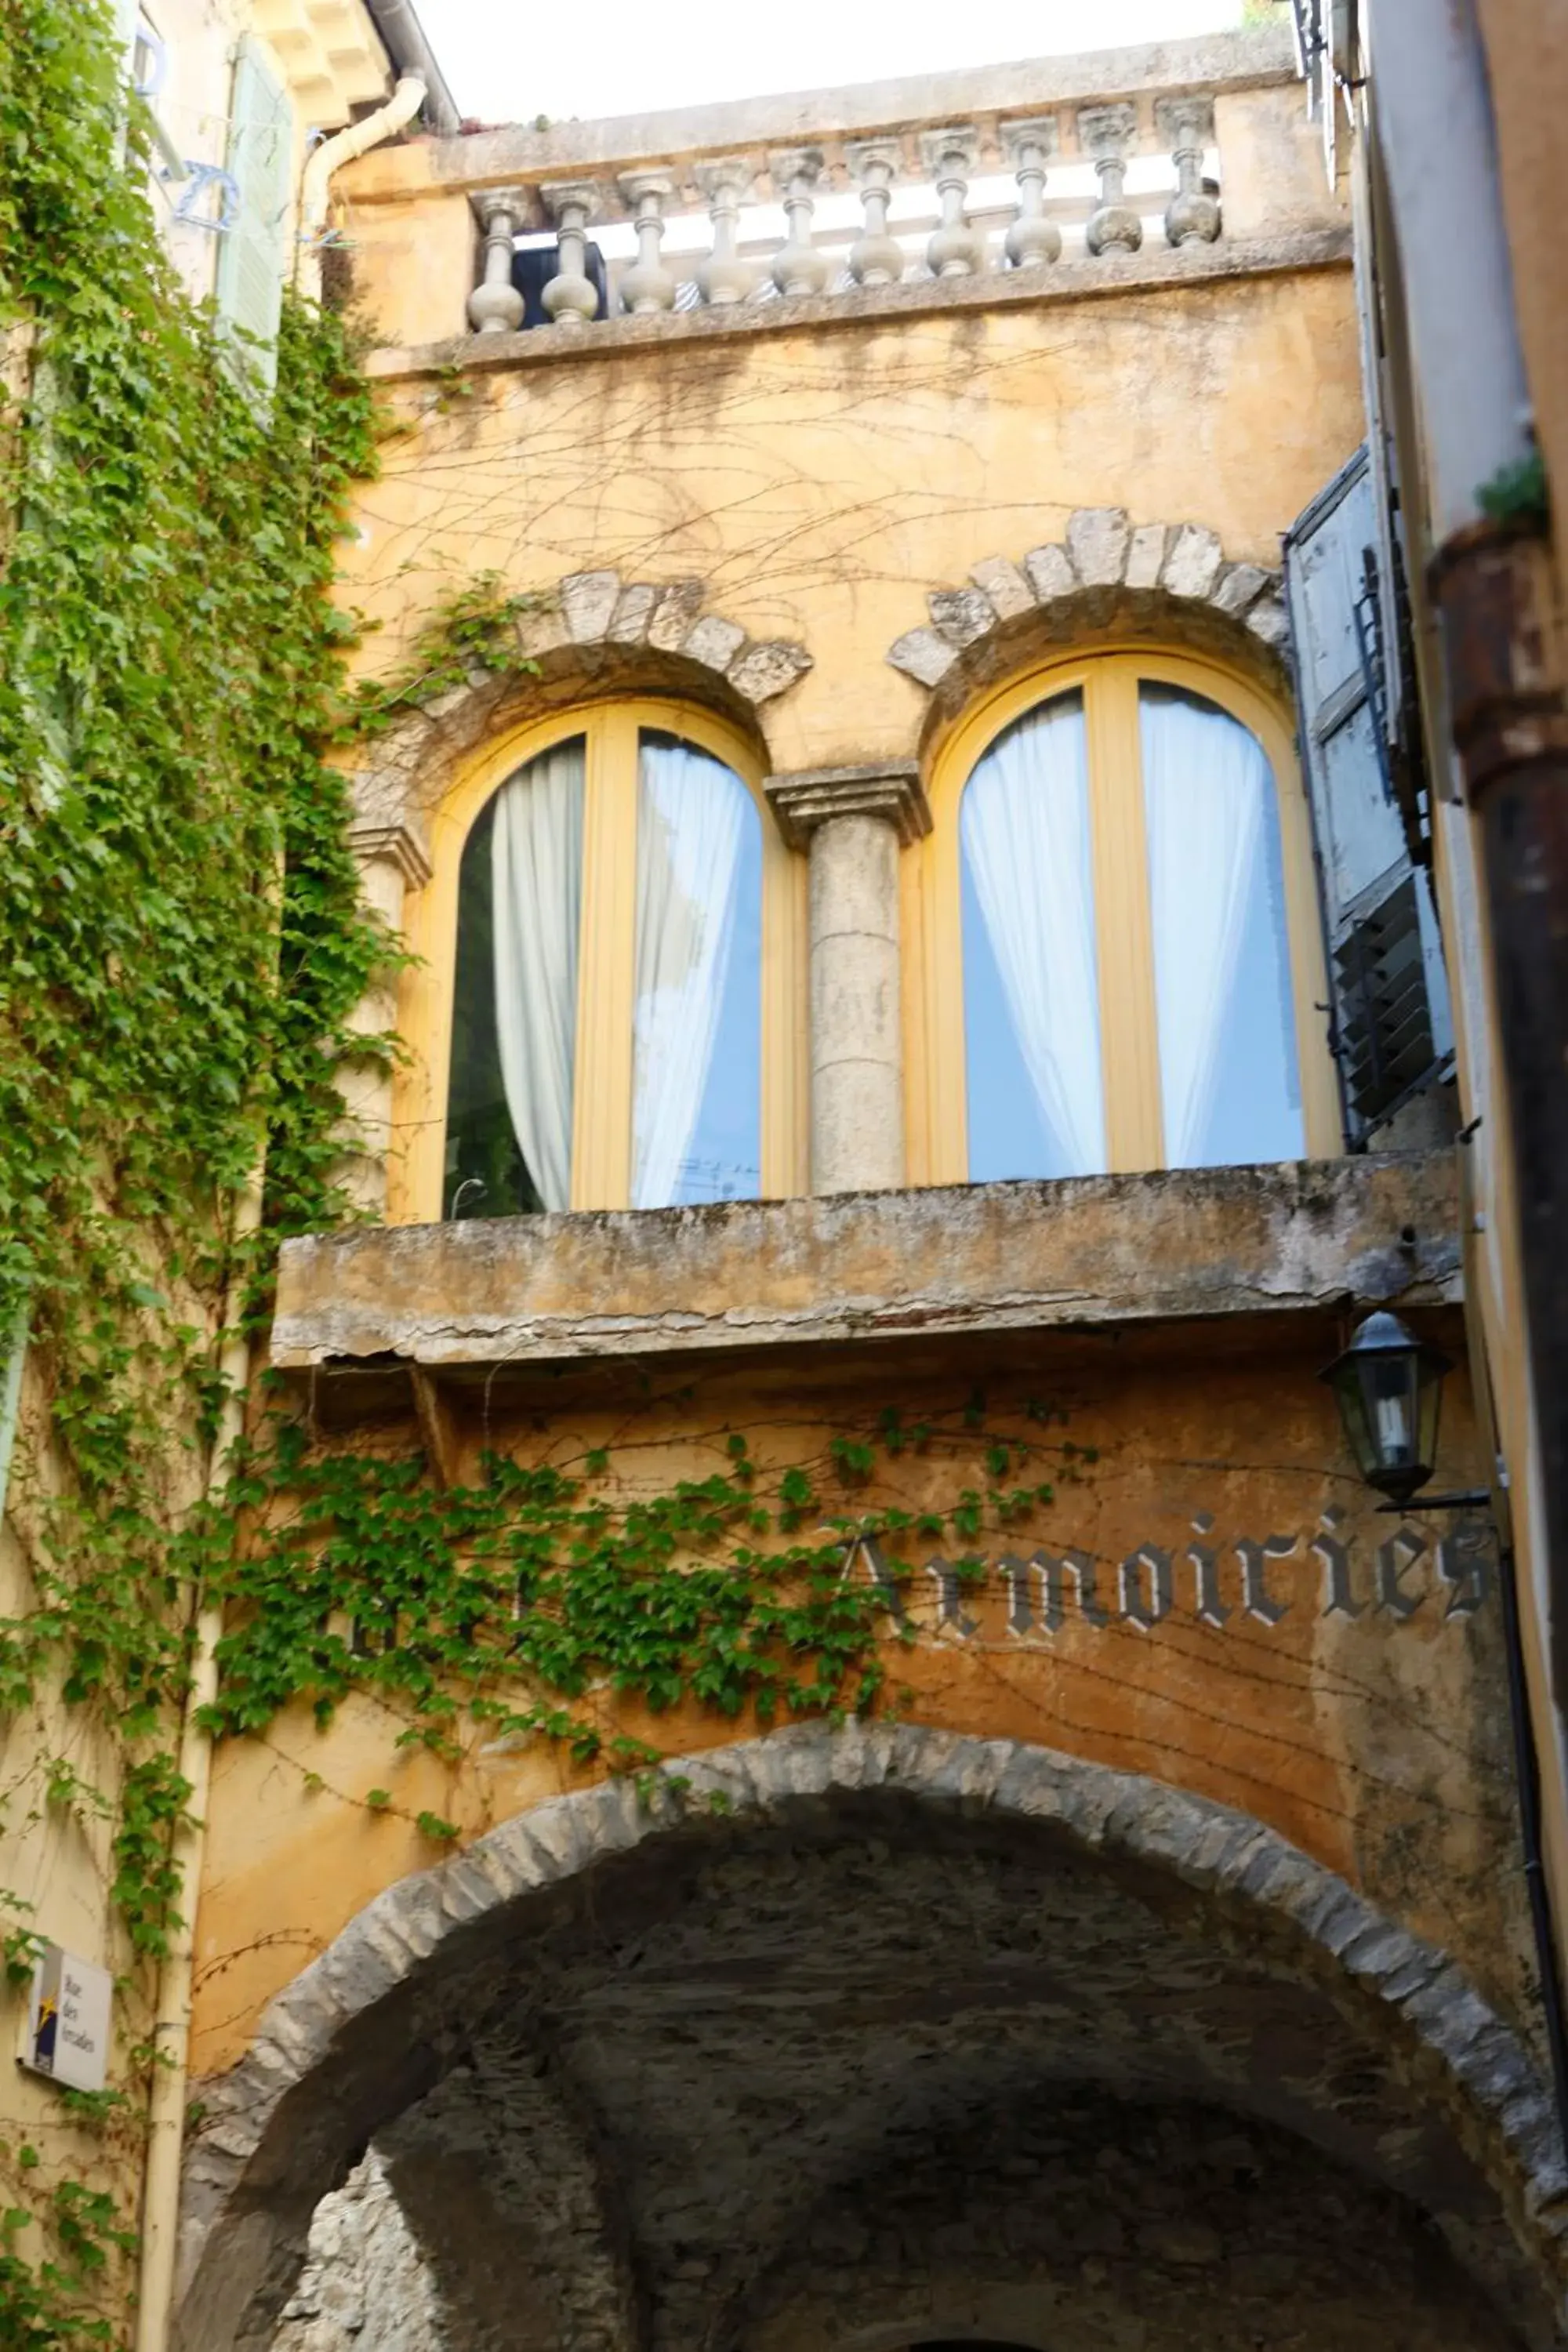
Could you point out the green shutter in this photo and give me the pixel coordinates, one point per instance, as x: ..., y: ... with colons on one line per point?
x: 1392, y: 1034
x: 250, y: 256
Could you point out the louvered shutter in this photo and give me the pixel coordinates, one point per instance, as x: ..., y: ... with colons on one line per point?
x: 1391, y: 1030
x: 251, y: 253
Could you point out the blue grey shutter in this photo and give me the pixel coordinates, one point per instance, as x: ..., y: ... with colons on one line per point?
x: 1391, y: 1031
x: 251, y: 253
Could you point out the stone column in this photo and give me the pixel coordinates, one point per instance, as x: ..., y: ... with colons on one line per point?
x: 853, y: 823
x: 391, y: 861
x: 571, y: 296
x: 495, y: 306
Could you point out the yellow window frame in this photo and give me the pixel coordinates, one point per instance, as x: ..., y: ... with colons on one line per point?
x: 937, y: 1100
x: 602, y: 1089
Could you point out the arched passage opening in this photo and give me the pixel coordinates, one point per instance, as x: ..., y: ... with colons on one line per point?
x: 867, y: 2039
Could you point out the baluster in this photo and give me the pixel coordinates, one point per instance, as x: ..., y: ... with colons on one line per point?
x: 1187, y: 125
x: 1106, y: 132
x: 722, y: 276
x: 648, y: 285
x: 571, y: 296
x: 798, y: 267
x: 876, y: 258
x: 1032, y: 238
x: 495, y: 306
x: 955, y: 250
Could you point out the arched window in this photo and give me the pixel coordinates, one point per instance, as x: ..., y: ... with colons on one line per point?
x: 1122, y: 963
x: 619, y: 926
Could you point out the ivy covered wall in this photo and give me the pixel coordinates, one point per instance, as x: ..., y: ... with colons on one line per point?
x: 180, y: 947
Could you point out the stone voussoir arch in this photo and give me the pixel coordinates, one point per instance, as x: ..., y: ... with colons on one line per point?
x: 1467, y: 2059
x: 590, y: 632
x: 1169, y: 582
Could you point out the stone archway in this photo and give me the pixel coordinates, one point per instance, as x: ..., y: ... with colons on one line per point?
x: 589, y: 634
x: 633, y: 2057
x: 1169, y: 583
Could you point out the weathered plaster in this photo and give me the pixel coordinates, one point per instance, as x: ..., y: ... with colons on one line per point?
x: 822, y: 483
x: 1113, y: 1250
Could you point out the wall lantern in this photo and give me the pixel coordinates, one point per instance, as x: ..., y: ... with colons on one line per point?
x: 1388, y: 1385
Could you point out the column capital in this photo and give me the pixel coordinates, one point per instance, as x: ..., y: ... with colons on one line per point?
x: 1185, y: 122
x: 395, y: 843
x: 519, y: 204
x: 561, y: 198
x: 1023, y: 135
x: 888, y: 789
x: 1107, y: 131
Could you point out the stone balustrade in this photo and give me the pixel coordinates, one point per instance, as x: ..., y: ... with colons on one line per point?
x: 821, y: 218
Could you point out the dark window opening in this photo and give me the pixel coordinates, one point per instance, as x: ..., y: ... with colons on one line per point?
x: 486, y: 1175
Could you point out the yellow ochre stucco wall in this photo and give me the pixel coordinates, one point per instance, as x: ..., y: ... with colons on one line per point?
x: 822, y: 482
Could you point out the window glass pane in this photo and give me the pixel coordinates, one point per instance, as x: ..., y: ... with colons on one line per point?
x: 697, y: 1039
x: 1229, y: 1085
x: 514, y: 1010
x: 1031, y: 1002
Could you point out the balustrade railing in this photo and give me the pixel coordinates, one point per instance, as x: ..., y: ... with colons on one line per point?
x: 1032, y: 194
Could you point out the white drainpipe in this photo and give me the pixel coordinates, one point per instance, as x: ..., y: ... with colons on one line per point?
x: 342, y: 147
x: 160, y: 2194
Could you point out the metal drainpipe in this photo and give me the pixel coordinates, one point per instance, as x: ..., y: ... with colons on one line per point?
x: 172, y: 2025
x: 399, y: 110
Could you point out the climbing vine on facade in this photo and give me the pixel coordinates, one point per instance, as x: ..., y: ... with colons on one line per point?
x: 181, y: 945
x: 182, y: 949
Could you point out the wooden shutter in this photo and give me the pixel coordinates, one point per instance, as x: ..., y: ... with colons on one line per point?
x: 251, y: 253
x: 1389, y: 1032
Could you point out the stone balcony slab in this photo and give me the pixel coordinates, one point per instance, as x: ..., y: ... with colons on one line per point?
x: 1091, y: 1253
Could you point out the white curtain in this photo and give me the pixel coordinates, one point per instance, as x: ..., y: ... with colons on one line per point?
x: 536, y: 870
x: 1204, y: 786
x: 1026, y: 835
x: 691, y: 813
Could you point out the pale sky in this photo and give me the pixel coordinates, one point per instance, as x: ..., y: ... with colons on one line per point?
x: 507, y: 60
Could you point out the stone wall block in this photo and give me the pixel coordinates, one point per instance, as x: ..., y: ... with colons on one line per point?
x: 1191, y: 561
x: 509, y: 1859
x: 1215, y: 1850
x: 614, y: 1821
x: 633, y: 611
x: 961, y: 615
x: 863, y: 1753
x: 676, y: 609
x: 588, y: 600
x: 1238, y: 586
x: 406, y: 1922
x: 1098, y: 543
x: 768, y: 668
x: 1145, y: 555
x: 973, y: 1774
x: 1170, y: 1830
x: 1003, y: 586
x: 1050, y: 573
x: 467, y: 1892
x: 714, y: 642
x: 1269, y: 621
x: 441, y: 708
x: 1329, y: 1913
x: 808, y: 1761
x: 923, y: 656
x: 358, y: 1968
x: 557, y: 1832
x: 541, y: 626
